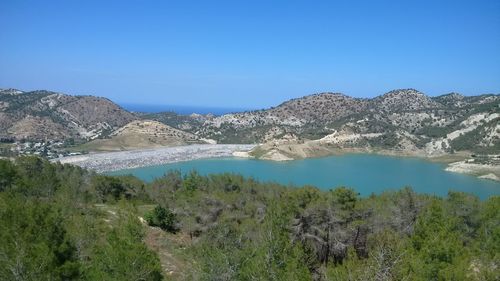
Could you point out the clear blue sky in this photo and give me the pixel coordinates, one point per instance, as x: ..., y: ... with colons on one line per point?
x: 248, y: 54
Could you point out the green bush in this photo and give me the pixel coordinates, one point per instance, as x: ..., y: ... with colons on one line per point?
x: 162, y: 218
x: 8, y: 174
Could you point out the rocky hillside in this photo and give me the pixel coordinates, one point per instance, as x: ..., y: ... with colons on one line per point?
x: 405, y: 120
x: 48, y: 115
x: 142, y: 134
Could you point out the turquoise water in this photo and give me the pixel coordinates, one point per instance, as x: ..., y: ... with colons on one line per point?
x: 365, y: 173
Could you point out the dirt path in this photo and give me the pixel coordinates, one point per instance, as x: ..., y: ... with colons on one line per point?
x: 170, y: 249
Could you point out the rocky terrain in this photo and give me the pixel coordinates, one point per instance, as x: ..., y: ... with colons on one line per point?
x: 119, y: 160
x: 140, y: 134
x: 400, y: 122
x: 403, y: 121
x: 43, y: 115
x: 482, y: 166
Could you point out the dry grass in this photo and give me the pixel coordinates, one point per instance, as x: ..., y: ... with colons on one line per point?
x: 139, y: 135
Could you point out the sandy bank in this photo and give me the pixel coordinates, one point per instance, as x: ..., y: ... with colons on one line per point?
x: 275, y: 156
x: 483, y: 171
x: 113, y: 161
x: 242, y: 154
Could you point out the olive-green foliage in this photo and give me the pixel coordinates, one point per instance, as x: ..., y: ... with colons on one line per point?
x: 275, y: 257
x: 437, y: 251
x: 111, y: 189
x: 162, y: 218
x: 192, y: 181
x: 51, y: 228
x: 123, y: 256
x: 8, y: 174
x: 37, y: 177
x: 383, y: 262
x: 345, y: 198
x: 60, y: 222
x: 231, y: 251
x: 486, y: 245
x: 34, y: 244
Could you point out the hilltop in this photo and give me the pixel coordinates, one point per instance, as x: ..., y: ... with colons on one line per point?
x: 404, y: 121
x: 42, y: 115
x: 142, y: 134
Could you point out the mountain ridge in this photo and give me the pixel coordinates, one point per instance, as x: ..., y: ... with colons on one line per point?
x: 81, y: 117
x: 318, y: 115
x: 401, y: 119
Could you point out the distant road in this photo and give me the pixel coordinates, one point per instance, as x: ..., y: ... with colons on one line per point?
x: 113, y: 161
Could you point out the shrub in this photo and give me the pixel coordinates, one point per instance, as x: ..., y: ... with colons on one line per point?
x: 162, y: 218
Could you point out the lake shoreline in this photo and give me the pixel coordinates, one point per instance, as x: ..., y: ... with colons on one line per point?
x: 130, y: 159
x: 366, y: 173
x: 458, y: 162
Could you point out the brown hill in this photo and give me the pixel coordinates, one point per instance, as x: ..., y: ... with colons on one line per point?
x: 50, y: 115
x: 402, y: 119
x: 141, y: 134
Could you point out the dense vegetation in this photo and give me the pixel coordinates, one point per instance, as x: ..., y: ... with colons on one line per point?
x: 59, y: 222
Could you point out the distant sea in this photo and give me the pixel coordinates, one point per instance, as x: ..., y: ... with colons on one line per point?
x: 180, y: 109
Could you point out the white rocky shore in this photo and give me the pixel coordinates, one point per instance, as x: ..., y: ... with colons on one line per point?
x: 113, y: 161
x: 483, y: 171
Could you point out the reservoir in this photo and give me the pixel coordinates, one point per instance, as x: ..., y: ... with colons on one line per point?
x: 366, y: 173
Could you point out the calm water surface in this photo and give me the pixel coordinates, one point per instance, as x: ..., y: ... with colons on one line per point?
x: 364, y: 172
